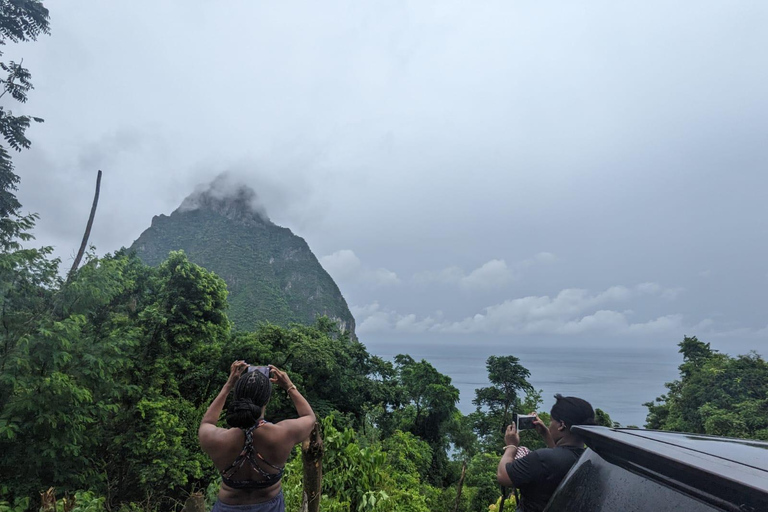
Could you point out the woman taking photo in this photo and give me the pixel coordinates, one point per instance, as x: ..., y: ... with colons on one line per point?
x: 252, y: 454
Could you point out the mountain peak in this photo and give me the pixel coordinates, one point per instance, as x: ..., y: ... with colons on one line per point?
x: 271, y: 274
x: 229, y: 198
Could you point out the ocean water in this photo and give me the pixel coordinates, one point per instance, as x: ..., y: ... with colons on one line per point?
x: 616, y: 378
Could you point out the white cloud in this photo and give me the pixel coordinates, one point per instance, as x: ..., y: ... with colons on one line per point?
x: 490, y: 275
x: 603, y: 320
x: 381, y: 277
x: 707, y: 323
x: 572, y: 311
x: 371, y: 318
x: 668, y: 323
x: 649, y: 288
x: 657, y: 289
x: 374, y: 318
x: 410, y: 323
x: 542, y: 257
x: 671, y: 293
x: 614, y: 294
x: 493, y: 274
x: 344, y: 266
x: 364, y: 311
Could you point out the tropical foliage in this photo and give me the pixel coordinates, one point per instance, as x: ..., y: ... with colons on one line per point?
x: 716, y: 394
x: 104, y: 378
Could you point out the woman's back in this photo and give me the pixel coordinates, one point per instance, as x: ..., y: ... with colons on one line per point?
x: 252, y: 455
x: 256, y: 470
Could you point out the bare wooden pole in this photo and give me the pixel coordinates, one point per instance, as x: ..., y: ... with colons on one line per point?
x: 88, y: 226
x: 312, y: 457
x: 461, y: 485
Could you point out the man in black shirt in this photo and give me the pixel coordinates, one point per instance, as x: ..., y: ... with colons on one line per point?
x: 538, y: 474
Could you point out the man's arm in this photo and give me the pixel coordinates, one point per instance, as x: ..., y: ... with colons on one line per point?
x: 501, y: 471
x: 514, y: 473
x: 543, y: 431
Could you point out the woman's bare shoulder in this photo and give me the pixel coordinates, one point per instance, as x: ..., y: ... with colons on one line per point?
x: 213, y: 438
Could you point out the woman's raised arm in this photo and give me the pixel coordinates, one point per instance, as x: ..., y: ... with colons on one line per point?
x: 208, y: 431
x: 296, y: 430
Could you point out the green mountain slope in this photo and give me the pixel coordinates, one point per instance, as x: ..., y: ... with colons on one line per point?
x: 271, y: 273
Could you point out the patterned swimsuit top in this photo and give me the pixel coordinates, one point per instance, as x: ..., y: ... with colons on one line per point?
x: 250, y: 454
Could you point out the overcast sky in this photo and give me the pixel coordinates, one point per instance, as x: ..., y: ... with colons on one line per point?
x: 563, y: 169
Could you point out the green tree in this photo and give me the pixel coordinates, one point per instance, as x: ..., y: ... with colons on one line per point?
x: 368, y: 477
x: 424, y: 404
x: 603, y: 419
x: 57, y: 382
x: 497, y: 402
x: 482, y: 489
x: 20, y: 20
x: 103, y: 383
x: 716, y: 394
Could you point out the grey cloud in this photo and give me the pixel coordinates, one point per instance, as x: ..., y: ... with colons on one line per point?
x: 626, y: 138
x: 225, y: 187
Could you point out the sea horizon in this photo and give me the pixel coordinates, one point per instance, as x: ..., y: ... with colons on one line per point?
x: 617, y: 378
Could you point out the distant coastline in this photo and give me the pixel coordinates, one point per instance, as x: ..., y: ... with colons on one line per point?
x: 615, y: 378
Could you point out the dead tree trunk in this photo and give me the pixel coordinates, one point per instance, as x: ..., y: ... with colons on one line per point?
x: 88, y: 226
x: 312, y: 458
x: 48, y: 500
x: 195, y: 503
x: 461, y: 485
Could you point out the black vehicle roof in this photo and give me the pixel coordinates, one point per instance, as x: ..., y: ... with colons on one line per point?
x: 725, y: 469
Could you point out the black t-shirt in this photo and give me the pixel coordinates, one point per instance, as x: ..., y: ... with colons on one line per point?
x: 538, y: 474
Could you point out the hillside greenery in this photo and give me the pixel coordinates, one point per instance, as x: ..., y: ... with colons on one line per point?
x: 716, y: 394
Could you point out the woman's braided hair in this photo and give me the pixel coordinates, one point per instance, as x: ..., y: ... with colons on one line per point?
x: 252, y: 393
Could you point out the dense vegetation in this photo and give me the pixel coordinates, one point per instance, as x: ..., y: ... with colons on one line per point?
x: 271, y: 274
x: 105, y: 373
x: 105, y: 377
x: 716, y: 394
